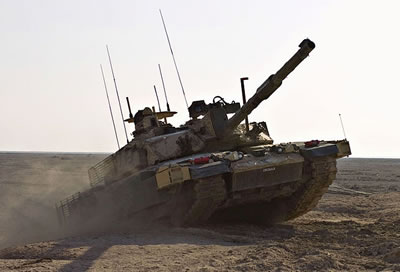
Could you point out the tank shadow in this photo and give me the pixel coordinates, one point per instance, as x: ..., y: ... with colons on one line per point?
x: 83, y: 251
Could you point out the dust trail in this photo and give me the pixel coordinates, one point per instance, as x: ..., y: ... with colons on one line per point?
x: 30, y: 185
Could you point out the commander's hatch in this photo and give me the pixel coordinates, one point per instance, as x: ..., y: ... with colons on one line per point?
x: 161, y: 115
x: 164, y: 115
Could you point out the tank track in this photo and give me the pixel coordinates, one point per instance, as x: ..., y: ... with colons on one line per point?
x: 323, y: 173
x: 207, y: 195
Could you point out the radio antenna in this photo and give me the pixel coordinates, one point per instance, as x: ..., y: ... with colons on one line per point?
x: 129, y: 108
x: 173, y: 57
x: 109, y: 105
x: 165, y: 92
x: 116, y: 90
x: 341, y: 122
x: 158, y: 100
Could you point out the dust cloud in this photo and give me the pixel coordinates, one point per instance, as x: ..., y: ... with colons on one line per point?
x: 30, y: 186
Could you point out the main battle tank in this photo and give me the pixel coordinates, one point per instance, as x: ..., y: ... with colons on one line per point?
x: 211, y: 168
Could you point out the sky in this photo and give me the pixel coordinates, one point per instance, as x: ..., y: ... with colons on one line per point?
x: 52, y: 96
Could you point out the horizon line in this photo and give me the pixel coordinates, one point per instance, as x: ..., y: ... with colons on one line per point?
x: 103, y: 152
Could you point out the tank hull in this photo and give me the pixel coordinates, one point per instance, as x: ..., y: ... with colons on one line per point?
x: 255, y: 189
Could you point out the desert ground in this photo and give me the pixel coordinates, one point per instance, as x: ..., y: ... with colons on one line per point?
x: 355, y: 227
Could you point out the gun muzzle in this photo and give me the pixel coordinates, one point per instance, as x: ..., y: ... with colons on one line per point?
x: 270, y: 85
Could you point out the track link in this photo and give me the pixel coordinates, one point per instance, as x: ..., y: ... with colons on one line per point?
x: 322, y: 174
x: 209, y: 194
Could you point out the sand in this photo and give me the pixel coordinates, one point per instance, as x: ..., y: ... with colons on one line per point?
x: 355, y: 227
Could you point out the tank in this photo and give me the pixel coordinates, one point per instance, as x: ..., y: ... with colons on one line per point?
x: 212, y: 168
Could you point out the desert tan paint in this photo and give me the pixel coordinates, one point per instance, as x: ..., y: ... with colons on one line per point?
x: 169, y: 175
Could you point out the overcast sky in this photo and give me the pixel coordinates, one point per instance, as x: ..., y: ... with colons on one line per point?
x: 52, y: 95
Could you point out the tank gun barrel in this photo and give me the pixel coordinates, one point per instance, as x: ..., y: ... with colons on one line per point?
x: 270, y: 85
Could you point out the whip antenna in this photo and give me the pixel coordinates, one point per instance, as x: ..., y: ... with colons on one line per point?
x: 116, y: 90
x: 173, y: 57
x: 165, y: 92
x: 341, y: 122
x: 158, y: 100
x: 109, y: 105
